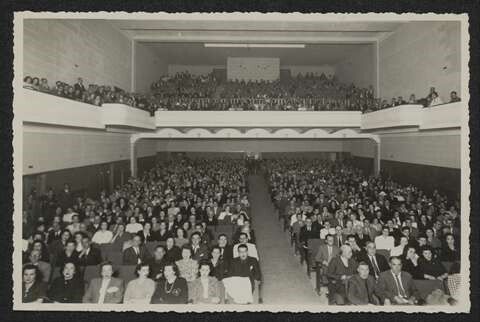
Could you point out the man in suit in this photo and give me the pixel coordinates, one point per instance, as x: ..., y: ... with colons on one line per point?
x: 369, y: 230
x: 226, y: 250
x: 376, y: 263
x: 135, y: 254
x: 324, y: 255
x: 200, y: 251
x: 395, y: 286
x: 307, y: 232
x: 106, y: 289
x: 89, y: 255
x: 245, y: 266
x: 340, y: 269
x: 361, y: 287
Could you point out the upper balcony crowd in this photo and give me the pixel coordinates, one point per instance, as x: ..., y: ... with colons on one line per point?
x: 185, y: 91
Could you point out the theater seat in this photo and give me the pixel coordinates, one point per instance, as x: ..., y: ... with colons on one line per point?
x: 105, y: 249
x: 425, y: 287
x: 127, y: 273
x: 224, y: 229
x: 313, y: 245
x: 447, y: 265
x: 91, y: 272
x: 151, y: 246
x: 385, y: 253
x: 115, y: 257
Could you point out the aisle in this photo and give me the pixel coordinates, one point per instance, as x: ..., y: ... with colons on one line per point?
x: 284, y: 280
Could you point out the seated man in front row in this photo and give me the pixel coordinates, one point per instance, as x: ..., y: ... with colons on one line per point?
x: 361, y: 286
x: 395, y: 286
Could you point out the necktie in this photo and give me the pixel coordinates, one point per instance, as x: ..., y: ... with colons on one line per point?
x: 375, y: 266
x: 401, y: 291
x: 368, y: 291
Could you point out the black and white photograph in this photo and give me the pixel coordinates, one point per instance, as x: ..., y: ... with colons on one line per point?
x: 201, y: 162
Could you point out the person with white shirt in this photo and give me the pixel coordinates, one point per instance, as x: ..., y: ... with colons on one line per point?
x: 326, y: 230
x: 133, y: 226
x: 252, y: 249
x: 103, y: 235
x: 396, y: 286
x: 398, y: 250
x: 384, y: 241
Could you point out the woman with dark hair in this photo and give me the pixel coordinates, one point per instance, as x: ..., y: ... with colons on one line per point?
x: 173, y: 252
x: 187, y: 266
x: 449, y: 252
x: 171, y: 290
x: 205, y: 289
x: 146, y: 233
x: 40, y: 246
x: 103, y: 235
x: 219, y: 266
x: 69, y: 287
x: 430, y: 267
x: 410, y: 262
x: 432, y: 241
x: 162, y: 234
x: 140, y: 290
x: 33, y: 288
x: 180, y: 238
x: 69, y: 254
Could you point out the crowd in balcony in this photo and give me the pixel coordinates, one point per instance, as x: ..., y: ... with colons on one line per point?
x: 186, y: 92
x: 92, y: 94
x: 179, y: 234
x: 369, y: 239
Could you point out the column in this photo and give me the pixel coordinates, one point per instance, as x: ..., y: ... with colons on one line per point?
x: 376, y: 159
x: 133, y: 158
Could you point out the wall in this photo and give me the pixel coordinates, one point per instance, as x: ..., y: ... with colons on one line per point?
x: 316, y: 70
x: 148, y: 68
x: 359, y: 68
x: 419, y: 55
x: 235, y: 145
x: 49, y: 149
x: 253, y: 68
x: 67, y: 49
x: 193, y: 69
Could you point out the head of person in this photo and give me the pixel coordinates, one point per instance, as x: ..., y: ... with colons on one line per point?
x: 346, y: 251
x: 243, y: 238
x: 106, y: 270
x: 70, y: 246
x: 66, y: 234
x: 243, y: 251
x: 186, y: 252
x: 204, y: 269
x: 142, y: 270
x: 103, y: 226
x: 363, y: 270
x: 222, y: 240
x: 351, y: 240
x: 170, y: 271
x: 195, y: 239
x: 86, y: 242
x: 147, y: 226
x: 30, y: 274
x: 69, y: 270
x: 159, y: 252
x: 427, y: 253
x: 329, y: 239
x: 409, y: 252
x: 385, y: 231
x: 180, y: 233
x: 35, y: 256
x: 170, y: 242
x: 371, y: 248
x: 137, y: 240
x: 395, y: 264
x: 449, y: 239
x: 216, y: 252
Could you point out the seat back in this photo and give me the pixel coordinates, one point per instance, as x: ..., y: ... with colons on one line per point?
x: 104, y: 250
x: 116, y: 257
x: 425, y: 287
x: 127, y: 273
x: 313, y: 245
x: 90, y: 273
x: 385, y: 253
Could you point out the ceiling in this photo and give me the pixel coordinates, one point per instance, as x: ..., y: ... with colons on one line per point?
x: 198, y: 54
x: 179, y: 39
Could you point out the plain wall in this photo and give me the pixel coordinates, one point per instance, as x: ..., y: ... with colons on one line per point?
x: 419, y: 55
x: 359, y: 68
x: 49, y: 149
x: 149, y: 68
x: 65, y: 49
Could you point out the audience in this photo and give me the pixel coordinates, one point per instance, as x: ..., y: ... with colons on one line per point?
x: 172, y: 289
x: 140, y: 290
x: 396, y: 286
x: 105, y: 289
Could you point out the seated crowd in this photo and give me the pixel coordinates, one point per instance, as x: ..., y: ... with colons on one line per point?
x: 181, y: 233
x: 93, y: 94
x: 432, y: 99
x: 369, y: 239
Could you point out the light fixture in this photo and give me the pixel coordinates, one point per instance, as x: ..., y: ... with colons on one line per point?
x: 232, y: 45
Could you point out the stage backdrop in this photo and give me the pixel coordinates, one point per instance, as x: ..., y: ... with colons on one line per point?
x: 253, y: 68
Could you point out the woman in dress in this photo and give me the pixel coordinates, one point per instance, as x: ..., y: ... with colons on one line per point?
x: 133, y: 227
x: 173, y: 252
x: 205, y: 289
x: 141, y: 289
x: 180, y: 239
x: 410, y: 262
x: 187, y: 266
x: 430, y: 267
x: 450, y: 252
x: 172, y: 289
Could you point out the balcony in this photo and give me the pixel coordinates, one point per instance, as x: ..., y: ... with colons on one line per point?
x: 437, y: 117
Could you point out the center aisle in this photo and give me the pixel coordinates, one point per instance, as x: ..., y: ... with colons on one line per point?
x: 284, y: 280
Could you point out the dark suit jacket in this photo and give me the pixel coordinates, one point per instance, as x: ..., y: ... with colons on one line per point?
x: 381, y: 262
x: 357, y: 293
x: 227, y: 253
x: 131, y: 258
x: 386, y: 287
x: 201, y: 253
x: 305, y: 235
x: 94, y: 257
